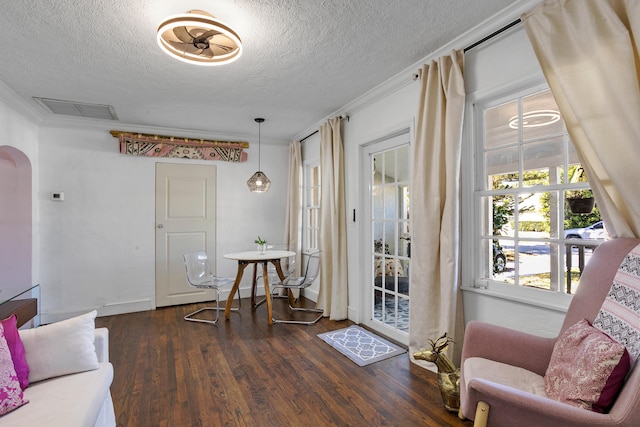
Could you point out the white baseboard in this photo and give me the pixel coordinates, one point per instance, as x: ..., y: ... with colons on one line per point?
x: 122, y: 307
x: 132, y: 306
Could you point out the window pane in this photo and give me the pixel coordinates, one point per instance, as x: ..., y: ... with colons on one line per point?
x: 404, y: 239
x: 498, y: 131
x: 502, y: 168
x: 377, y: 305
x: 534, y: 264
x: 377, y: 238
x: 542, y: 162
x: 540, y: 117
x: 576, y: 256
x: 496, y: 259
x: 499, y: 220
x: 390, y: 166
x: 390, y: 238
x: 405, y: 204
x: 390, y: 201
x: 378, y: 203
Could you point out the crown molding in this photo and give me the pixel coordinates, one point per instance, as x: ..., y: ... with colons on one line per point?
x: 13, y: 100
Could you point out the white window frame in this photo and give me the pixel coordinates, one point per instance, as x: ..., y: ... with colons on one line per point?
x: 310, y: 232
x: 474, y: 176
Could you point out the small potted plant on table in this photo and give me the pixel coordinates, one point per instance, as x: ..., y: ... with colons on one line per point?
x: 262, y: 244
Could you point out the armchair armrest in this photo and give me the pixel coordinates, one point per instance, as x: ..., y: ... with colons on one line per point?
x: 509, y: 406
x: 507, y: 346
x: 102, y: 344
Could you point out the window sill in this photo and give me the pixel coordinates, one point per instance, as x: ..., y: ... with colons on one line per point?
x: 533, y: 297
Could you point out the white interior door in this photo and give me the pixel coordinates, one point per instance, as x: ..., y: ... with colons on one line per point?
x: 386, y: 224
x: 185, y: 222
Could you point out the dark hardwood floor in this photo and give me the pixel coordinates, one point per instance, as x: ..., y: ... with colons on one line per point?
x: 242, y: 372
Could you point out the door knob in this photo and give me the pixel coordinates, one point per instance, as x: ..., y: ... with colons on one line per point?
x: 160, y: 226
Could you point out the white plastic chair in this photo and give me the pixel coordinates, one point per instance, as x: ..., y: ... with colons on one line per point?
x: 291, y: 283
x: 199, y: 275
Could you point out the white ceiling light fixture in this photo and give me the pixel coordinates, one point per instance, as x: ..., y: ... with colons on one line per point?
x: 197, y: 37
x: 534, y: 119
x: 259, y: 183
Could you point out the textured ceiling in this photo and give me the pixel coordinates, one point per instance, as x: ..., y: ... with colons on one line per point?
x: 302, y: 60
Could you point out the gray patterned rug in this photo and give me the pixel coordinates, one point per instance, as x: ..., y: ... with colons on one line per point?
x: 361, y: 346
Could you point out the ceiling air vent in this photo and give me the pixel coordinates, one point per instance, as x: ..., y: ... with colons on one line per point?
x: 78, y: 109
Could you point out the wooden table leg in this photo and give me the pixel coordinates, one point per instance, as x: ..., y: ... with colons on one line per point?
x: 267, y: 293
x: 236, y: 285
x: 253, y: 287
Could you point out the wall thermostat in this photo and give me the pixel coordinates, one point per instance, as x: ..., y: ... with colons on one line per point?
x: 57, y: 196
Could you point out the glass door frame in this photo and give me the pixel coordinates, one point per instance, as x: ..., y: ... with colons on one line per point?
x: 388, y: 143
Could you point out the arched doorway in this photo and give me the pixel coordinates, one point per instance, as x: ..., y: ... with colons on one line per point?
x: 15, y: 222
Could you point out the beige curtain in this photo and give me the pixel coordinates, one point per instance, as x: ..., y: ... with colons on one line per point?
x: 333, y: 293
x: 294, y: 211
x: 588, y: 51
x: 436, y: 300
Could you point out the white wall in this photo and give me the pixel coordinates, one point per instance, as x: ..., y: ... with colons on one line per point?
x: 97, y: 247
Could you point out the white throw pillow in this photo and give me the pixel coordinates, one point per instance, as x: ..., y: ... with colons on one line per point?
x: 61, y: 348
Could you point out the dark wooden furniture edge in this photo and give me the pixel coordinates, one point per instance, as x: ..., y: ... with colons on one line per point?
x: 24, y: 309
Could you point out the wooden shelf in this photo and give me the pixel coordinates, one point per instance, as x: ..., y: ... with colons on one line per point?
x: 24, y: 309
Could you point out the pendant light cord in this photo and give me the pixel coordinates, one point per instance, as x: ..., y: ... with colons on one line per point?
x: 259, y: 151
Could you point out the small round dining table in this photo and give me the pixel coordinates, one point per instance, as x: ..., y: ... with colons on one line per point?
x: 255, y: 258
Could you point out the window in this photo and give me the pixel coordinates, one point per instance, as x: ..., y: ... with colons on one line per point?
x: 311, y: 206
x: 527, y: 172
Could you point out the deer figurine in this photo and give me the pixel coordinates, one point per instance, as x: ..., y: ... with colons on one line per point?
x: 448, y: 374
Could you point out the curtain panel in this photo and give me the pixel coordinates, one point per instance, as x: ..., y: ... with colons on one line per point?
x: 333, y: 293
x: 588, y: 51
x: 294, y: 208
x: 436, y: 298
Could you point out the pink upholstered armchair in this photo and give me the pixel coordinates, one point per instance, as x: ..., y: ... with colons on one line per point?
x: 518, y: 404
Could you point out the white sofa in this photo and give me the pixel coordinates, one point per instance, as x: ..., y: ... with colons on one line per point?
x: 78, y: 399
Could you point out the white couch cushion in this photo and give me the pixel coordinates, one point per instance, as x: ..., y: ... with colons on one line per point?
x: 61, y: 348
x: 501, y: 373
x: 71, y: 400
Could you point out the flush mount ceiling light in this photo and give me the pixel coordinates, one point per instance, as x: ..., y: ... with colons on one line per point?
x: 259, y: 183
x: 534, y: 119
x: 197, y: 37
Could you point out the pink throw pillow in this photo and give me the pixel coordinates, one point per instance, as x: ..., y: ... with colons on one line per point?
x: 17, y: 350
x: 11, y: 395
x: 587, y: 368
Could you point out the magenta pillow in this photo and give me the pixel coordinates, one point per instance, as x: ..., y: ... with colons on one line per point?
x: 16, y: 349
x: 11, y: 395
x: 587, y: 368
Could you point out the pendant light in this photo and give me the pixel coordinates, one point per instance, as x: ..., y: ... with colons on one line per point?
x: 259, y: 183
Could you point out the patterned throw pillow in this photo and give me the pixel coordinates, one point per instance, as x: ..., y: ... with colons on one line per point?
x: 587, y: 368
x: 16, y: 348
x: 11, y: 396
x: 619, y: 316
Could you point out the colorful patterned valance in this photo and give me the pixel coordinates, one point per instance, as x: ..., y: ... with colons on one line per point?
x: 142, y: 144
